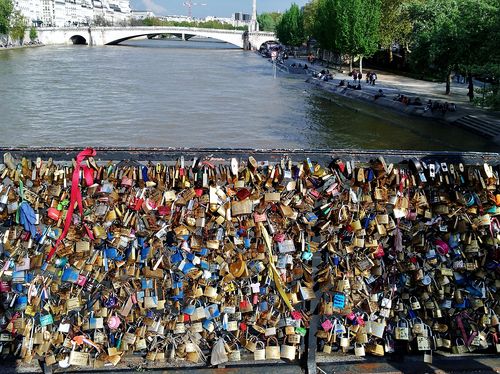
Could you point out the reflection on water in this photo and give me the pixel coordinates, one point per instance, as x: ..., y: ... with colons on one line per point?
x: 197, y: 93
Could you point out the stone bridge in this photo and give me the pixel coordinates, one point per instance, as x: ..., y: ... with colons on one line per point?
x: 115, y: 35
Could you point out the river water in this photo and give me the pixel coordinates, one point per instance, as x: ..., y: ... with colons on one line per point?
x: 198, y: 93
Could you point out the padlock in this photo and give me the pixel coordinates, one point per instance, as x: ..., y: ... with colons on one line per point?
x: 401, y: 332
x: 415, y: 304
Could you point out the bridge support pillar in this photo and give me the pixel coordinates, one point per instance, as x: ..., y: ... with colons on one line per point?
x: 183, y: 36
x: 246, y: 41
x: 90, y: 41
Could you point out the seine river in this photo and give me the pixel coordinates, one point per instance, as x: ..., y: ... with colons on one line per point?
x: 190, y: 94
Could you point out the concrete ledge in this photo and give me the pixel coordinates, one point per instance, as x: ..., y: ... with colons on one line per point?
x: 387, y: 101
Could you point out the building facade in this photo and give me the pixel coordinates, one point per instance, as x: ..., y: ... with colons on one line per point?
x: 74, y: 13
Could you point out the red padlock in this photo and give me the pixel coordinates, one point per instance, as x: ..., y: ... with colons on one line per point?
x: 4, y: 286
x: 163, y: 210
x: 54, y: 214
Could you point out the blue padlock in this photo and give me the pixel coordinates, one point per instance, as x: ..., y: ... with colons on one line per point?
x: 263, y: 307
x: 176, y: 257
x: 145, y: 177
x: 145, y: 253
x: 336, y: 260
x: 21, y: 303
x: 203, y: 252
x: 339, y: 301
x: 69, y: 275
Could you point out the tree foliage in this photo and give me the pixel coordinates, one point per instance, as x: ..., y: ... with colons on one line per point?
x: 18, y: 26
x: 290, y: 29
x: 395, y: 25
x: 33, y: 33
x: 455, y: 35
x: 6, y: 8
x: 344, y: 26
x: 268, y: 21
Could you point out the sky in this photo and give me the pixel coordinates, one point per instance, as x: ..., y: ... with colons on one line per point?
x: 219, y: 8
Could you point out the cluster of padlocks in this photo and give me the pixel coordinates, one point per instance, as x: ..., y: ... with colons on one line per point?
x: 202, y: 260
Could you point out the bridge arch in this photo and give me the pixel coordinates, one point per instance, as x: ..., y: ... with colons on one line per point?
x: 177, y: 34
x: 116, y: 35
x: 78, y: 39
x: 270, y: 41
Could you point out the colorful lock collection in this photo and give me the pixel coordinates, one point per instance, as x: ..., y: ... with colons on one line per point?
x: 203, y: 261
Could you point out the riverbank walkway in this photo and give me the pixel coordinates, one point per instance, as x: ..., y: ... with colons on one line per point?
x: 480, y: 121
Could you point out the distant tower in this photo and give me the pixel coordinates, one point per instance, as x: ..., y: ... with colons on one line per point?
x: 254, y: 25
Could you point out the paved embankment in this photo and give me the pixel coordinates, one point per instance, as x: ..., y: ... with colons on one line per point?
x: 472, y: 119
x: 477, y: 120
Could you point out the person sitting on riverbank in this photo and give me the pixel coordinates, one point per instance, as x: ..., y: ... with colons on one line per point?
x: 358, y: 87
x: 379, y: 94
x: 310, y: 58
x: 341, y: 83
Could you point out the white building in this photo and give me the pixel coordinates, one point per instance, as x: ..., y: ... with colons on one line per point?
x: 142, y: 14
x: 219, y: 19
x: 175, y: 18
x: 64, y: 13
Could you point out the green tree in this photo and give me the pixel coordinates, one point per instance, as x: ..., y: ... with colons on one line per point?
x: 309, y: 14
x: 363, y: 28
x: 6, y: 8
x: 455, y: 35
x: 266, y: 22
x: 33, y: 33
x: 479, y: 27
x: 395, y: 25
x: 349, y: 27
x: 290, y: 29
x: 435, y: 33
x: 324, y: 27
x: 346, y: 26
x: 18, y: 26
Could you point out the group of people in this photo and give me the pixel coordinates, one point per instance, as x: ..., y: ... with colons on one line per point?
x: 371, y: 77
x: 349, y: 85
x: 294, y: 65
x: 408, y: 100
x: 324, y: 75
x: 356, y: 75
x: 437, y: 106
